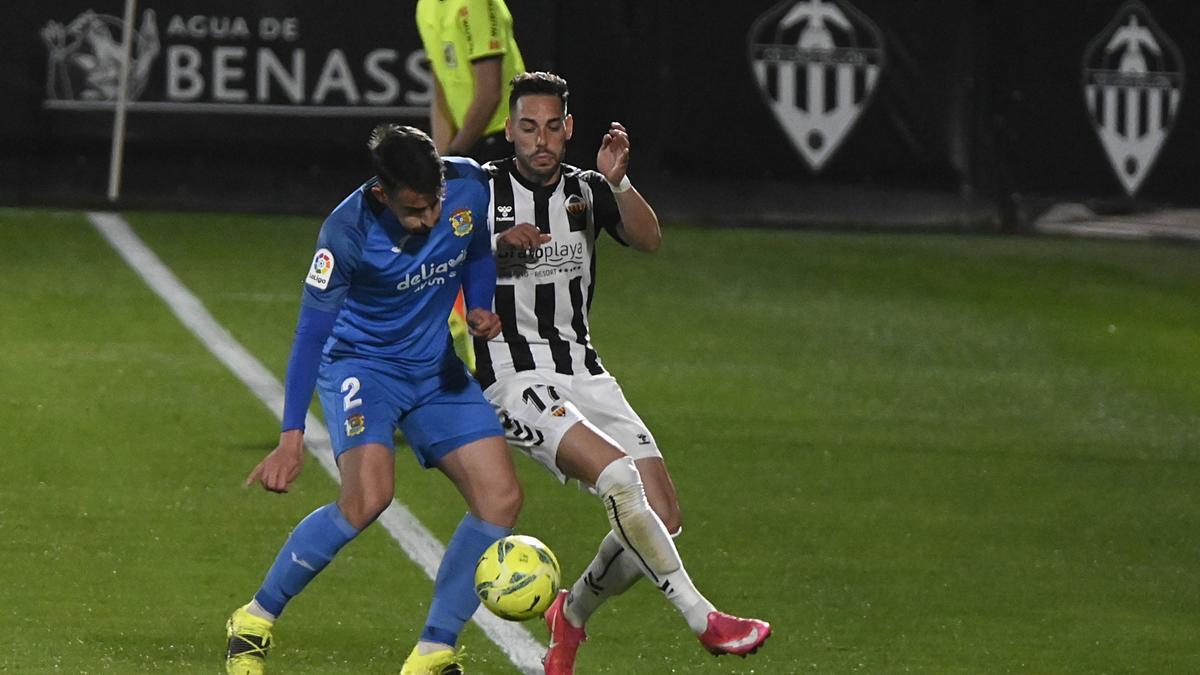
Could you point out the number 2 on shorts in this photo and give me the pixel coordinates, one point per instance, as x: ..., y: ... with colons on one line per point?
x: 350, y: 386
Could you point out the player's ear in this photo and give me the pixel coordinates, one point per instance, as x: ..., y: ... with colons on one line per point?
x: 379, y: 193
x: 508, y: 129
x: 570, y: 126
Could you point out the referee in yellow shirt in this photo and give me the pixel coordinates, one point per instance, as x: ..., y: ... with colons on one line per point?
x: 474, y: 55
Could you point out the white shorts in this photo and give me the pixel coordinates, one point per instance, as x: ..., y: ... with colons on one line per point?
x: 538, y: 407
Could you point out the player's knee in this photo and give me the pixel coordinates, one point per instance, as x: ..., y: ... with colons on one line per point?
x: 633, y: 521
x: 620, y: 481
x: 362, y: 507
x: 620, y: 487
x: 512, y: 501
x: 502, y: 506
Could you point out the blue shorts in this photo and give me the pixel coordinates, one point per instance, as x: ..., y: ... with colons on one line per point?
x: 366, y: 401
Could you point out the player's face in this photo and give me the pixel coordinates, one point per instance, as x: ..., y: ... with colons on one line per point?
x: 539, y: 133
x: 417, y: 213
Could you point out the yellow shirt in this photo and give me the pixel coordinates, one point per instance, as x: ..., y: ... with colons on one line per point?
x: 457, y: 32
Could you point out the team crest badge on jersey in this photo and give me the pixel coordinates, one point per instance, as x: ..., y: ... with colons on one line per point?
x: 321, y: 270
x: 817, y: 65
x: 355, y: 424
x: 1133, y: 83
x: 576, y: 213
x: 463, y: 222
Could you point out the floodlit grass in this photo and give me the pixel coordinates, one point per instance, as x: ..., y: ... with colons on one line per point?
x: 910, y: 453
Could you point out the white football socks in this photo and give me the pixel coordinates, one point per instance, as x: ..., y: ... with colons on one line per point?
x: 612, y: 572
x: 647, y: 545
x: 256, y: 609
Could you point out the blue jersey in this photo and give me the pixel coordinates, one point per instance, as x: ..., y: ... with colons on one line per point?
x: 393, y: 290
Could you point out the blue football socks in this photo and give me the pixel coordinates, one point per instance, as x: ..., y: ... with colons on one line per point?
x: 454, y: 599
x: 306, y: 552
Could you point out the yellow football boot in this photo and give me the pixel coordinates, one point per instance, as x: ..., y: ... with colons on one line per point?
x: 441, y: 662
x: 249, y: 640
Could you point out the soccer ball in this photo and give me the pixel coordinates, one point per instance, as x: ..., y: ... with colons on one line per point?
x: 517, y: 577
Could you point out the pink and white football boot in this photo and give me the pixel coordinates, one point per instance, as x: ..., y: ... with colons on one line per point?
x: 564, y: 639
x: 727, y: 634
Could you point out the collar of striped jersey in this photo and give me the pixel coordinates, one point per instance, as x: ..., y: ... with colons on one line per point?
x: 510, y: 165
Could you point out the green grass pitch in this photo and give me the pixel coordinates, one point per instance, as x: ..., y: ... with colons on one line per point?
x: 916, y: 453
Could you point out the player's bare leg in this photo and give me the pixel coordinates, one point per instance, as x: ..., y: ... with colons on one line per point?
x: 485, y: 476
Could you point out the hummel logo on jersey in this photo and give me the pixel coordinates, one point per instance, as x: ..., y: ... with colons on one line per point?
x: 643, y: 439
x: 302, y: 562
x: 520, y: 432
x: 506, y: 213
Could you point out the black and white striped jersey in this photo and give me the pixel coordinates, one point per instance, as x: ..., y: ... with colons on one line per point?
x: 543, y: 297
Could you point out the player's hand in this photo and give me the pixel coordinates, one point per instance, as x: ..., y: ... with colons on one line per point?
x: 483, y: 323
x: 522, y: 237
x: 613, y: 158
x: 279, y: 468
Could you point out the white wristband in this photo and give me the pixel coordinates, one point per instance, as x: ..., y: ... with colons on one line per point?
x: 622, y: 186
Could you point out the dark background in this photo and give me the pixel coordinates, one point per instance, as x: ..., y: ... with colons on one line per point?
x: 979, y: 110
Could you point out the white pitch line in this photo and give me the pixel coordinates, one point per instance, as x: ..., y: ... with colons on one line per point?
x: 414, y: 538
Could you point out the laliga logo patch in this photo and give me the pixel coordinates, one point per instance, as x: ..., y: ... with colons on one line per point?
x: 462, y: 221
x: 321, y: 270
x: 817, y: 65
x: 1133, y: 83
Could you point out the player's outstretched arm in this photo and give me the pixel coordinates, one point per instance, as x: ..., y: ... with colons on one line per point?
x: 639, y: 224
x: 479, y: 283
x: 279, y: 468
x: 277, y: 471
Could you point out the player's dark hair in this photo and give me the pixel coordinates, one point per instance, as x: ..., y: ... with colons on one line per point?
x: 539, y: 82
x: 406, y: 157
